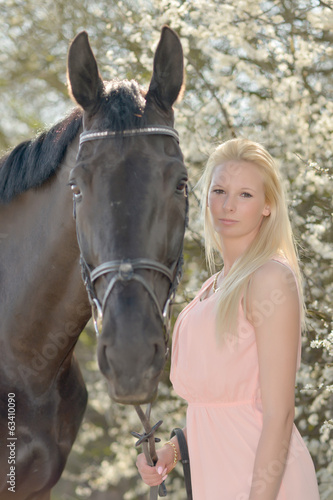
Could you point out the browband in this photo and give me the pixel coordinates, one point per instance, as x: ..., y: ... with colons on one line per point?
x: 107, y: 134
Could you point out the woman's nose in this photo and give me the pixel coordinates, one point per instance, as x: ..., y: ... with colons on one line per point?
x: 229, y: 204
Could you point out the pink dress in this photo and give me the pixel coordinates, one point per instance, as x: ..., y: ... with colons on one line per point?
x: 224, y: 415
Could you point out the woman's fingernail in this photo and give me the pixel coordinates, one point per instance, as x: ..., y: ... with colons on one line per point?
x: 164, y: 477
x: 165, y: 470
x: 160, y: 470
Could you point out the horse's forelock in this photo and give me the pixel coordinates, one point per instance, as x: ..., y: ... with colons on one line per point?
x: 123, y: 105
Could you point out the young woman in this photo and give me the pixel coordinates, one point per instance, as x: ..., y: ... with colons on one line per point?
x: 236, y: 346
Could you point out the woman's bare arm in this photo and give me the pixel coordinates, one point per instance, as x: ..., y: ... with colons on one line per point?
x: 274, y: 312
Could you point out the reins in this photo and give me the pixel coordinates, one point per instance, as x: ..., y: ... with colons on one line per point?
x: 148, y: 440
x: 126, y: 270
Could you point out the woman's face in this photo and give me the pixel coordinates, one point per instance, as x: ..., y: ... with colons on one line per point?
x: 236, y: 199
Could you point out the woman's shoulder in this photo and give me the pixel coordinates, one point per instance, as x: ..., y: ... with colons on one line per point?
x: 274, y: 267
x: 275, y: 276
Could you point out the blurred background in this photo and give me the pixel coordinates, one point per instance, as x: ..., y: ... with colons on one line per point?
x: 257, y: 69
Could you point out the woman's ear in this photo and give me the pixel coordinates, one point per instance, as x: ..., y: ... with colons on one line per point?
x: 267, y: 211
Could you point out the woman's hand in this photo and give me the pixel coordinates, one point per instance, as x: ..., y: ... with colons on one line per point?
x: 153, y: 476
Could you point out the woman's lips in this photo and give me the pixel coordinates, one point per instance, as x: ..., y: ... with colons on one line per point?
x: 228, y: 222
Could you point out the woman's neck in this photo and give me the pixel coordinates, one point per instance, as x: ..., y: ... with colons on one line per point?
x: 232, y: 249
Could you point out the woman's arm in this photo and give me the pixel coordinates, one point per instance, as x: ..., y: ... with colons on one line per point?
x: 274, y: 312
x: 155, y: 475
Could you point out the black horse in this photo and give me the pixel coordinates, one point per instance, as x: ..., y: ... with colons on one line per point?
x: 121, y: 157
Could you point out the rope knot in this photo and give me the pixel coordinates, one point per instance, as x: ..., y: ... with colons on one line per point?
x: 146, y: 435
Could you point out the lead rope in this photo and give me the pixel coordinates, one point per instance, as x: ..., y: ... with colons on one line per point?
x: 148, y: 440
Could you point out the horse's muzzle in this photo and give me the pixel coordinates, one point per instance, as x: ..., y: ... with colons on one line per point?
x: 131, y: 355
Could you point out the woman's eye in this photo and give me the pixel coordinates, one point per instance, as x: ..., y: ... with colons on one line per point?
x: 181, y: 186
x: 219, y: 191
x: 246, y: 195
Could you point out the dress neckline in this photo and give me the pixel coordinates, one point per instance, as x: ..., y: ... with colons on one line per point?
x: 203, y: 296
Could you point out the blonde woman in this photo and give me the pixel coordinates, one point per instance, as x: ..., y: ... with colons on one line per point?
x: 236, y: 346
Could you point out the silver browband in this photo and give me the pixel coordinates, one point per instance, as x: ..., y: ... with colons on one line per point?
x: 107, y: 134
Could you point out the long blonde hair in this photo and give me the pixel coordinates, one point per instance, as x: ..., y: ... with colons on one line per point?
x: 274, y: 237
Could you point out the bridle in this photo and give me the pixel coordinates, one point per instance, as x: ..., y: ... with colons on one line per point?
x: 126, y: 270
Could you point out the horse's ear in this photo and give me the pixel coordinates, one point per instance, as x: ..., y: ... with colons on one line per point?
x: 85, y: 83
x: 168, y: 74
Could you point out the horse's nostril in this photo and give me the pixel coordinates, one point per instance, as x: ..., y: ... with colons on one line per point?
x: 104, y: 362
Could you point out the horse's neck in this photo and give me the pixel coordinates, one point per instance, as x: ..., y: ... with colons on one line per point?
x: 44, y: 305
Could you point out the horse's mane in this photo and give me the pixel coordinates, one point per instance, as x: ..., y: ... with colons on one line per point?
x: 33, y: 162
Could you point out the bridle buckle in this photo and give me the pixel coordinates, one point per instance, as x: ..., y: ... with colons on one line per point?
x: 125, y: 271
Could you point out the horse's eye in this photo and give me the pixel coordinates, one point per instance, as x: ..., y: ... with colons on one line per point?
x: 76, y: 191
x: 181, y: 186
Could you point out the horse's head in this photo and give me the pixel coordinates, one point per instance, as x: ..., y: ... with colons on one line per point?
x: 129, y: 188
